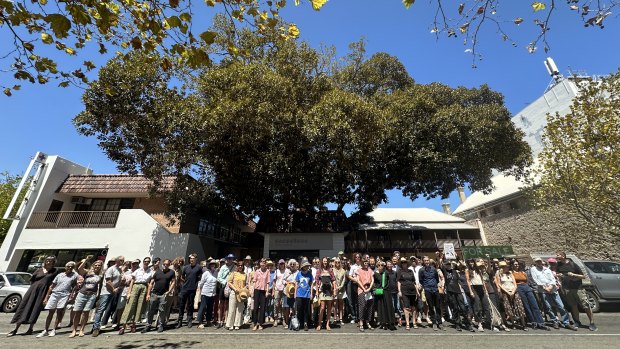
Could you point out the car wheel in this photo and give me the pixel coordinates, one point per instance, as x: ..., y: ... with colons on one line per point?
x: 595, y: 305
x: 11, y: 303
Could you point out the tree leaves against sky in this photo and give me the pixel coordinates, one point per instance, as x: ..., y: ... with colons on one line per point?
x: 57, y: 41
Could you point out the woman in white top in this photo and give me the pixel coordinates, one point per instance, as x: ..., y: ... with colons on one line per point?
x: 513, y: 306
x: 206, y: 289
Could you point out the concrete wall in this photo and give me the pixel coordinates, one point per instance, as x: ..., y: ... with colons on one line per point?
x: 136, y: 235
x: 559, y: 228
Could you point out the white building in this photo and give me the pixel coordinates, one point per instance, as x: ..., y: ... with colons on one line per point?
x: 70, y: 212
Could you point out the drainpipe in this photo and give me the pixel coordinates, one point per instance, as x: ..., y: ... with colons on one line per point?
x: 483, y: 236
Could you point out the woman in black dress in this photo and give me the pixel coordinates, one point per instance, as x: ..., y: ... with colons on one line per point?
x: 32, y: 303
x: 385, y: 308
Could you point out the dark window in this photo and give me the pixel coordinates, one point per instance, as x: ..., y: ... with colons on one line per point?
x: 514, y: 205
x: 483, y: 214
x: 127, y: 204
x: 497, y: 210
x: 52, y: 214
x: 111, y: 204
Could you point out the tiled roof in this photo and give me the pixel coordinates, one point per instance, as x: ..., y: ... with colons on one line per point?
x: 115, y: 183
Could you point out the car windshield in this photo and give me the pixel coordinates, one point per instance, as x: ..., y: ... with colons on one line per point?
x: 18, y: 279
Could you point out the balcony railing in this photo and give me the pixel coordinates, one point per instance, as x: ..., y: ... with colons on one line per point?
x: 73, y: 219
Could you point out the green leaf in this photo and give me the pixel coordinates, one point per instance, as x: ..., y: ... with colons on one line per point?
x: 173, y: 3
x: 28, y: 46
x: 79, y: 14
x: 185, y: 17
x: 7, y: 91
x: 60, y: 24
x: 208, y: 37
x: 173, y: 22
x: 46, y: 38
x: 408, y: 3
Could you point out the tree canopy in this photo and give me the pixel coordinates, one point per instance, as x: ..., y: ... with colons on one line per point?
x: 58, y: 40
x: 292, y: 129
x: 580, y: 163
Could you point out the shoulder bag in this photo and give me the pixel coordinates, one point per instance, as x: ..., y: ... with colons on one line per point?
x: 379, y: 290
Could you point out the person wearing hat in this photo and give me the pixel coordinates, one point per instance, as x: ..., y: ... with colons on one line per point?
x: 547, y: 287
x: 237, y: 281
x: 303, y: 294
x: 288, y: 296
x: 408, y: 293
x: 57, y: 296
x: 207, y: 290
x: 281, y: 272
x: 507, y: 287
x: 248, y: 266
x: 222, y: 278
x: 109, y: 294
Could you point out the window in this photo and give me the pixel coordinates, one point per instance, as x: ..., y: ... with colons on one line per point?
x: 111, y: 204
x: 604, y: 267
x: 497, y: 210
x: 483, y: 214
x: 514, y: 205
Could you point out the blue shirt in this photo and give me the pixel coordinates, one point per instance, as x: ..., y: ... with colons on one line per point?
x: 304, y: 284
x: 428, y: 278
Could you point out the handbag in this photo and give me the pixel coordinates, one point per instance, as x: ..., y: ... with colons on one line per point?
x: 227, y: 288
x: 379, y: 290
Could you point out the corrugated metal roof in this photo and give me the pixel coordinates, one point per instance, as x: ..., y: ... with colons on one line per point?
x: 111, y: 183
x: 412, y: 215
x: 417, y: 226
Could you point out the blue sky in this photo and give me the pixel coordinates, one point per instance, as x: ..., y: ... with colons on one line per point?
x: 39, y: 117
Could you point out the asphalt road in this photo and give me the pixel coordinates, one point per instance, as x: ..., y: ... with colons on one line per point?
x: 608, y: 336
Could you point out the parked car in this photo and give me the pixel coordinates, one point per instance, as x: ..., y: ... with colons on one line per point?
x: 605, y: 276
x: 13, y: 287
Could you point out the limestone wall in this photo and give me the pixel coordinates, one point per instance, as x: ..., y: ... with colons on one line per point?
x: 537, y: 230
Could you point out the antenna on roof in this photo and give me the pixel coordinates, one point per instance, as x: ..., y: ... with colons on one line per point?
x: 553, y: 71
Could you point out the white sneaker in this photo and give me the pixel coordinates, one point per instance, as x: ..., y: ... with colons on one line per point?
x: 42, y: 334
x: 52, y: 333
x: 103, y: 327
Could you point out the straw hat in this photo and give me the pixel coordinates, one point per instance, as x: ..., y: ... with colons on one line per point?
x: 243, y: 295
x: 502, y: 264
x: 306, y: 264
x: 289, y: 290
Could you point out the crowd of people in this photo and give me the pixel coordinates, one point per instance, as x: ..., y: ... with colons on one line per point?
x: 301, y: 294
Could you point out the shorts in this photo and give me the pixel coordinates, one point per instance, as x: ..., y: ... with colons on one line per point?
x: 325, y: 296
x: 279, y: 295
x: 576, y: 297
x: 56, y: 301
x: 122, y: 302
x: 84, y: 302
x: 288, y: 302
x: 219, y: 289
x: 410, y: 301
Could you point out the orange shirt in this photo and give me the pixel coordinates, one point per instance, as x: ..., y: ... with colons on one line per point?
x: 520, y: 277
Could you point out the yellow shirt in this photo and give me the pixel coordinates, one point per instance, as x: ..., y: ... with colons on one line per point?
x: 238, y: 280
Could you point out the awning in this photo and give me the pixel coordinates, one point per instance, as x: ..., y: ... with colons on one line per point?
x: 416, y: 226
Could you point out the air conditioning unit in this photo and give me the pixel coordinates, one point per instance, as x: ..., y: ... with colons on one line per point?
x: 80, y: 200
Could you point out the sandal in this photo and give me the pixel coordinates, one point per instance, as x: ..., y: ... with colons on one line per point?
x: 407, y: 328
x: 11, y: 334
x: 318, y: 328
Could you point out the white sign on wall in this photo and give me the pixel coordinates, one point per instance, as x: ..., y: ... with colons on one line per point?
x: 448, y: 250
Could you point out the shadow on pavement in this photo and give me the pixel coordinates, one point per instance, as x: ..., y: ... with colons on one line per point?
x: 151, y: 343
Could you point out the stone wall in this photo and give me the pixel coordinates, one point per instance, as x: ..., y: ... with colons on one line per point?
x: 547, y: 230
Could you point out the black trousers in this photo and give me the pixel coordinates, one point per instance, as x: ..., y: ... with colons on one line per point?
x: 434, y: 305
x: 352, y: 300
x: 258, y: 313
x: 482, y: 311
x: 186, y: 299
x: 303, y: 311
x: 457, y: 306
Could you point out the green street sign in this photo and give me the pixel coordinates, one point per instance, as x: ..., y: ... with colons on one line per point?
x: 482, y: 251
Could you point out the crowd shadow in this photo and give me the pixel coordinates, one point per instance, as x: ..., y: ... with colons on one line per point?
x: 153, y: 343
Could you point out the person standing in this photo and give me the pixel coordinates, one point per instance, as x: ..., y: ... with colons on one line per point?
x: 288, y: 302
x: 160, y: 286
x: 507, y: 288
x: 352, y: 287
x: 31, y: 305
x: 222, y: 279
x: 383, y: 298
x: 546, y: 283
x: 136, y: 294
x: 341, y: 281
x: 109, y: 290
x: 530, y: 305
x: 430, y: 279
x: 571, y: 277
x: 260, y: 283
x: 365, y: 281
x: 207, y: 288
x: 454, y: 295
x: 303, y: 293
x: 325, y: 289
x: 407, y: 292
x: 190, y: 275
x: 278, y: 290
x: 236, y: 283
x: 87, y: 296
x: 57, y: 296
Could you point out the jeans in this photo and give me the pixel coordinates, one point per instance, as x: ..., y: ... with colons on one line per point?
x: 157, y: 304
x: 205, y: 311
x: 104, y: 301
x: 530, y: 304
x: 552, y: 300
x: 434, y: 305
x: 258, y: 313
x: 396, y: 304
x: 186, y: 300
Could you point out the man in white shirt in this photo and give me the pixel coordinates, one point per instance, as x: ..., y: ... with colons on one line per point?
x: 547, y: 288
x: 108, y: 291
x: 352, y: 286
